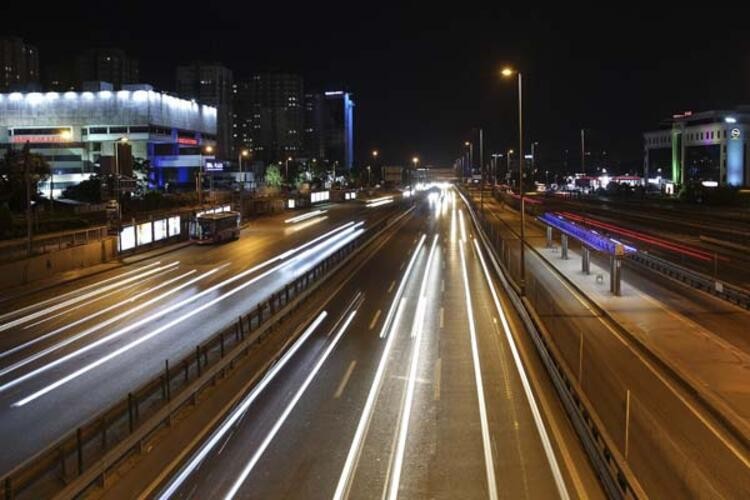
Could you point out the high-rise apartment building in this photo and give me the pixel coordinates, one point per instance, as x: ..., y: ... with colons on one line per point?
x: 19, y: 65
x: 329, y: 127
x: 211, y: 84
x: 106, y: 65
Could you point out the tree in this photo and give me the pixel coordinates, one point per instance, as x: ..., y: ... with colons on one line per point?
x: 13, y: 169
x: 142, y: 171
x: 88, y: 191
x: 273, y: 177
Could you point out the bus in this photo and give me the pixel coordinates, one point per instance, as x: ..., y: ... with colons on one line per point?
x: 215, y: 228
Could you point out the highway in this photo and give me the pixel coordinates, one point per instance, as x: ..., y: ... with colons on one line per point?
x: 68, y: 352
x: 414, y: 379
x: 667, y: 436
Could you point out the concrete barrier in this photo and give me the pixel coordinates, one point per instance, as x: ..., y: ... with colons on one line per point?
x: 28, y: 270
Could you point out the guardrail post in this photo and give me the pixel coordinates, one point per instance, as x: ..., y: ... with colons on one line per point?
x: 8, y: 489
x: 166, y: 377
x: 79, y: 449
x: 615, y: 274
x: 63, y: 464
x: 221, y: 344
x: 549, y: 236
x: 564, y: 247
x: 585, y: 260
x: 198, y: 358
x: 104, y: 433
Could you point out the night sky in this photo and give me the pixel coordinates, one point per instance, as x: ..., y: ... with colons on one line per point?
x: 424, y: 75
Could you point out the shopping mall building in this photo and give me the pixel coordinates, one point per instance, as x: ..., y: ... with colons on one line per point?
x: 708, y: 147
x: 77, y: 131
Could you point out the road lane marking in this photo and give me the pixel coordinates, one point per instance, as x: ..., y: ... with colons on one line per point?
x: 401, y: 287
x: 442, y: 284
x: 267, y: 441
x: 349, y: 234
x: 345, y: 380
x: 417, y: 333
x: 374, y: 319
x: 438, y: 374
x: 551, y: 459
x: 442, y: 317
x: 402, y: 265
x: 390, y: 288
x: 240, y: 411
x: 345, y: 479
x: 487, y: 444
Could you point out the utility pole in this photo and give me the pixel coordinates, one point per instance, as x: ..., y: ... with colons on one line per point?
x: 27, y: 179
x: 481, y: 166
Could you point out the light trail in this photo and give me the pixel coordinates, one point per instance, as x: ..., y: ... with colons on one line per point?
x: 79, y: 298
x: 300, y: 392
x: 463, y: 226
x: 152, y: 334
x: 95, y: 328
x: 342, y: 488
x: 379, y: 203
x: 401, y: 286
x: 418, y: 330
x: 552, y: 460
x: 486, y: 441
x: 306, y: 216
x: 239, y: 411
x: 73, y: 292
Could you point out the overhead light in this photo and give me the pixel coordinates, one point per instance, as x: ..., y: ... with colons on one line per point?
x: 730, y: 119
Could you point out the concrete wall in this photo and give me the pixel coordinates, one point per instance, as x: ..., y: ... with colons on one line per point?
x: 22, y: 272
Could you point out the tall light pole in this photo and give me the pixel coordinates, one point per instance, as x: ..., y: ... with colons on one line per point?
x: 470, y: 145
x: 495, y: 156
x: 375, y: 154
x: 286, y: 169
x: 243, y: 154
x: 507, y: 167
x: 207, y: 150
x: 415, y: 162
x: 508, y: 72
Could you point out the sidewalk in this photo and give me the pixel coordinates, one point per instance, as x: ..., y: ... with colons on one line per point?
x: 708, y: 359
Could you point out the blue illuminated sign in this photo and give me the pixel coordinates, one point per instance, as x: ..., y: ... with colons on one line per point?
x: 735, y: 167
x: 591, y: 239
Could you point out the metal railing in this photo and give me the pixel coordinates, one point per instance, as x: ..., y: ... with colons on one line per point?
x: 89, y: 452
x: 720, y: 289
x: 51, y: 242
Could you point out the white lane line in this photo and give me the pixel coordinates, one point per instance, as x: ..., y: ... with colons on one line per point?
x: 349, y: 235
x: 403, y: 428
x: 390, y: 288
x: 463, y: 225
x: 240, y: 411
x: 79, y: 298
x: 78, y: 290
x: 486, y: 441
x: 267, y: 441
x: 442, y: 317
x: 453, y: 223
x: 345, y: 380
x: 101, y: 325
x: 442, y: 282
x: 374, y: 319
x: 345, y: 479
x: 401, y: 286
x: 438, y: 375
x: 555, y: 468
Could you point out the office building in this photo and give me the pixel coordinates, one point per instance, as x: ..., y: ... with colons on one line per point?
x: 708, y: 147
x: 77, y: 132
x: 211, y: 84
x: 19, y: 65
x: 270, y: 116
x: 329, y: 127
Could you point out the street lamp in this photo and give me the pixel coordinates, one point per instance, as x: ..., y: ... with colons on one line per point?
x: 507, y: 169
x: 286, y: 169
x: 243, y: 154
x: 415, y: 162
x: 508, y: 72
x: 206, y: 150
x: 470, y: 145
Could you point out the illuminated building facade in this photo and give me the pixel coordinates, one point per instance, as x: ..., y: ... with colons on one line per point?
x: 708, y: 147
x: 77, y: 131
x: 329, y: 127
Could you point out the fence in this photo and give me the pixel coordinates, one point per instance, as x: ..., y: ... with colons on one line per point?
x: 17, y: 249
x: 86, y: 454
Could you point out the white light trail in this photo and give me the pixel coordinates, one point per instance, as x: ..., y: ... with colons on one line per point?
x: 98, y: 326
x: 463, y: 226
x: 401, y: 287
x: 487, y: 444
x: 154, y: 333
x: 418, y: 331
x: 364, y: 421
x: 453, y: 223
x: 85, y: 296
x: 78, y: 290
x: 555, y: 468
x: 382, y: 198
x: 300, y: 392
x: 379, y: 203
x: 237, y: 413
x: 306, y: 216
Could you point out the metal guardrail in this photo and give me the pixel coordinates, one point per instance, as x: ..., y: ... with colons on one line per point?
x: 87, y: 454
x: 45, y: 243
x: 597, y: 445
x: 720, y: 289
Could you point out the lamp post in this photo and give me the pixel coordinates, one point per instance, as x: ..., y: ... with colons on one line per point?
x: 507, y: 73
x: 495, y: 156
x: 507, y: 168
x: 375, y: 154
x: 470, y: 145
x: 286, y: 169
x: 415, y: 162
x: 207, y: 150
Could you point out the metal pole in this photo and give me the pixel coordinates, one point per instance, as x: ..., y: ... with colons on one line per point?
x: 27, y: 178
x: 481, y: 177
x: 522, y: 283
x: 583, y: 152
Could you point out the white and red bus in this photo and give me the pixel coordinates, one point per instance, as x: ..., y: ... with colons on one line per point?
x: 214, y: 228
